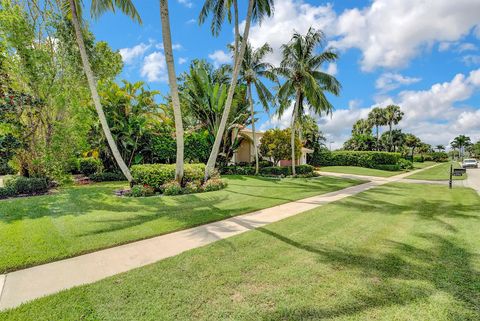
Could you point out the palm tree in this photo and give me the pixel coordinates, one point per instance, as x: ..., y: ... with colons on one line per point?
x: 172, y: 80
x: 378, y: 118
x: 461, y: 142
x: 300, y: 67
x: 393, y: 116
x: 253, y: 69
x: 440, y: 148
x: 412, y: 142
x: 362, y: 127
x: 257, y: 9
x: 97, y: 8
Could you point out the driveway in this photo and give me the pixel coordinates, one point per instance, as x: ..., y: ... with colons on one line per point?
x: 473, y: 179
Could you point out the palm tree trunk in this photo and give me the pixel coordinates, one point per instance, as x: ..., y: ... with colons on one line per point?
x: 237, y: 31
x: 93, y: 90
x: 378, y: 141
x: 172, y: 80
x: 391, y: 137
x: 231, y: 90
x: 292, y: 136
x: 252, y: 115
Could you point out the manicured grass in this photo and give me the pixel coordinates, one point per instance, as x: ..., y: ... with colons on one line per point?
x: 397, y: 252
x: 422, y: 165
x: 438, y: 173
x: 359, y: 171
x: 85, y: 218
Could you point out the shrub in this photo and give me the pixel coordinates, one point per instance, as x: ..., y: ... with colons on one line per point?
x: 27, y: 185
x: 286, y: 170
x: 156, y: 175
x: 238, y: 170
x: 427, y: 158
x: 73, y: 166
x: 193, y: 187
x: 405, y: 164
x: 355, y: 158
x: 214, y: 184
x: 89, y: 166
x: 418, y: 159
x: 439, y: 157
x: 392, y: 168
x: 107, y: 177
x: 172, y: 188
x: 141, y: 191
x: 6, y: 192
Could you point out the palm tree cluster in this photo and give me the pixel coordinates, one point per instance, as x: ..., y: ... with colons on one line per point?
x: 460, y: 145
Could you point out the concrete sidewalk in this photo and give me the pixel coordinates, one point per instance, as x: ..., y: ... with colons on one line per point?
x: 28, y: 284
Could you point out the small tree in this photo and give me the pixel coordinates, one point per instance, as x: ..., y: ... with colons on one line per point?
x: 275, y: 144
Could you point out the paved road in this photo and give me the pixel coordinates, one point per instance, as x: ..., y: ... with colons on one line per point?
x: 473, y: 179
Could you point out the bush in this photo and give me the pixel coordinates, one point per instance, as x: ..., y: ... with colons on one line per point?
x: 355, y: 158
x: 193, y: 187
x: 73, y: 166
x: 89, y: 166
x: 405, y: 164
x: 286, y: 170
x: 214, y: 184
x: 392, y: 168
x: 427, y: 158
x: 238, y: 170
x: 156, y: 175
x: 141, y: 191
x: 172, y: 188
x: 27, y: 185
x: 6, y: 192
x: 439, y: 157
x: 107, y: 177
x: 418, y: 159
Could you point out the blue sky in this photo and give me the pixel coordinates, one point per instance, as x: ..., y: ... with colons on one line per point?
x: 421, y: 55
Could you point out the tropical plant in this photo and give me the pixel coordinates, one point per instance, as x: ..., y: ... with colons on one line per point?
x: 257, y: 9
x: 304, y: 80
x: 362, y: 127
x: 97, y: 8
x: 360, y: 142
x: 378, y: 118
x: 172, y: 80
x: 412, y: 142
x: 275, y: 144
x: 254, y: 68
x: 393, y: 115
x: 461, y: 142
x: 440, y: 148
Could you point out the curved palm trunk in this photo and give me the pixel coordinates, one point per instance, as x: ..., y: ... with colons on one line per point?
x: 391, y: 137
x: 252, y: 113
x: 237, y: 31
x: 292, y: 137
x: 96, y: 98
x: 231, y: 90
x: 172, y: 80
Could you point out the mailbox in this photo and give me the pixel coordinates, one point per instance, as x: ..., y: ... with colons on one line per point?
x: 459, y: 171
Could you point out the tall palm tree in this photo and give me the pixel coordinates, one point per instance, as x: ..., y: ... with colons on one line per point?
x: 461, y: 142
x: 257, y: 9
x: 412, y: 142
x: 254, y: 68
x: 97, y: 8
x: 362, y: 127
x: 304, y: 80
x: 440, y: 148
x: 172, y: 80
x: 378, y: 118
x: 393, y: 116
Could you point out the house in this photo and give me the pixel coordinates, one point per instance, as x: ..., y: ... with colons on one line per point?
x: 245, y: 152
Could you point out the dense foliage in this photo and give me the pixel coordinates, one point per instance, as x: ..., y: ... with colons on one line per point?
x: 379, y: 160
x: 275, y: 144
x: 156, y: 175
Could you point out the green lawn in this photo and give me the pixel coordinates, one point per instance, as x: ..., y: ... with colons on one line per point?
x: 85, y: 218
x: 359, y: 171
x: 397, y: 252
x: 438, y: 173
x: 422, y: 165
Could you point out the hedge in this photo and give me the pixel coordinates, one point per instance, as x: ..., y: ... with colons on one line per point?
x: 89, y: 166
x: 24, y: 186
x: 356, y: 158
x: 156, y: 175
x: 107, y: 177
x: 237, y: 170
x: 286, y: 170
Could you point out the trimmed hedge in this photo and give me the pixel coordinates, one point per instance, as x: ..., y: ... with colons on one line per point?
x: 24, y: 186
x: 356, y: 158
x: 237, y: 170
x: 439, y: 157
x: 89, y: 166
x: 286, y: 170
x: 156, y: 175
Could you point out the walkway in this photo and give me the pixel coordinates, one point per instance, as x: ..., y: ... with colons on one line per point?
x: 28, y: 284
x: 473, y: 179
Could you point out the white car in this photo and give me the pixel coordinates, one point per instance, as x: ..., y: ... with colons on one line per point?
x: 470, y: 163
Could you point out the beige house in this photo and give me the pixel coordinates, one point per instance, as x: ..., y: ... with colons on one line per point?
x: 245, y: 152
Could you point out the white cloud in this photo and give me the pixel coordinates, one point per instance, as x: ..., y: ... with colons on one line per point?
x: 392, y: 32
x: 332, y: 69
x: 433, y: 114
x: 467, y: 47
x: 154, y: 67
x: 470, y: 60
x: 175, y: 46
x: 186, y: 3
x: 290, y: 16
x: 130, y: 54
x: 220, y: 57
x: 191, y: 21
x: 390, y: 81
x: 182, y: 60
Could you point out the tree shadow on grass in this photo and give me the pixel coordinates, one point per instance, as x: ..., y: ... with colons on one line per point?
x: 443, y: 264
